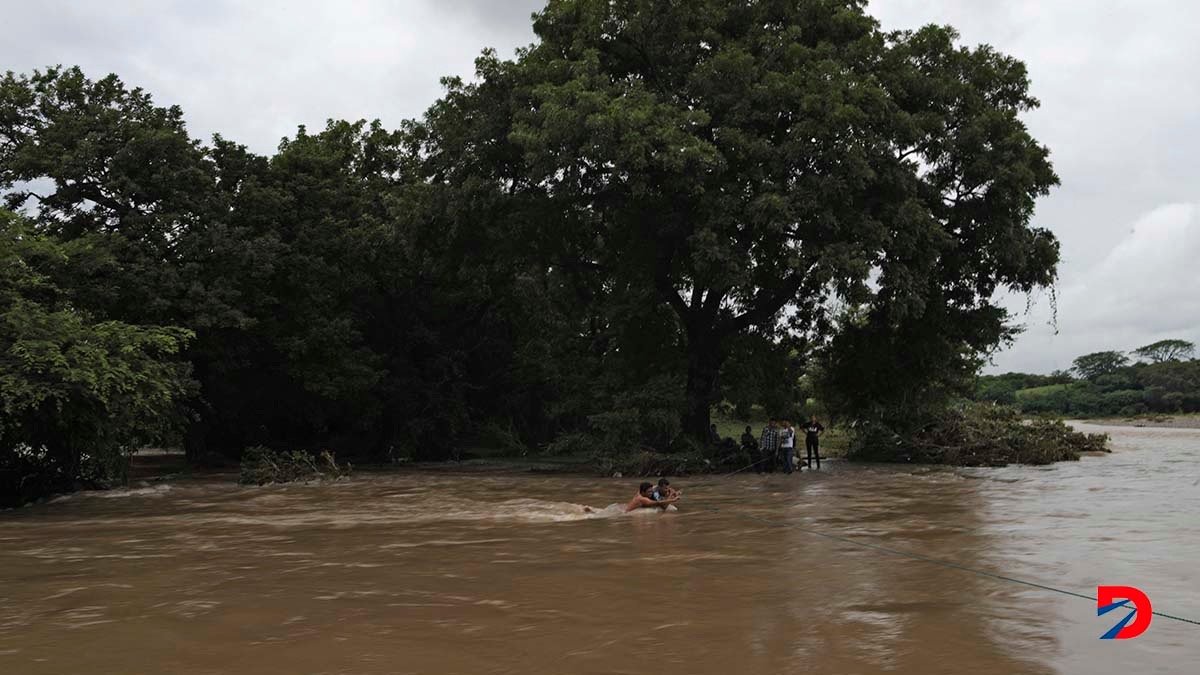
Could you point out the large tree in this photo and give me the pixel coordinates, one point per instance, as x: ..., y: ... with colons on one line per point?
x: 1166, y: 350
x: 726, y: 163
x: 1096, y: 364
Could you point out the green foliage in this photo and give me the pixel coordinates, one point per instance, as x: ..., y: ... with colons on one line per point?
x: 1007, y: 388
x: 902, y: 375
x: 1046, y: 390
x: 977, y: 434
x: 96, y: 158
x: 77, y: 396
x: 645, y: 419
x: 262, y: 465
x: 764, y: 371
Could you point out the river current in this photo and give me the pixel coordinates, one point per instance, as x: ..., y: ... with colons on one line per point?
x: 440, y: 573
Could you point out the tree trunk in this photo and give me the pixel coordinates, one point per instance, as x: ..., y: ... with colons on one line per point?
x: 195, y: 441
x: 704, y: 357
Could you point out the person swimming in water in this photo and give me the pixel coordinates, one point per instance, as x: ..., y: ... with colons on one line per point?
x: 644, y: 499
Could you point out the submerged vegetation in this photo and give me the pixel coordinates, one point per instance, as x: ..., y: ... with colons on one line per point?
x: 978, y: 434
x: 262, y: 465
x: 656, y: 208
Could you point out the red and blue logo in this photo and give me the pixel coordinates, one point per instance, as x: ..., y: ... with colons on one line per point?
x: 1109, y: 598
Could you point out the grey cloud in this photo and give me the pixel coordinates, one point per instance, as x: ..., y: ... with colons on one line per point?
x: 503, y: 18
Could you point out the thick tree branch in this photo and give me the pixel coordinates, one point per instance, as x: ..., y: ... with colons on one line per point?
x: 95, y: 194
x: 668, y: 293
x: 766, y: 304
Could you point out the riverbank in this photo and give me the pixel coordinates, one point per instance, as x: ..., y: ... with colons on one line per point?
x: 157, y: 465
x: 1180, y: 421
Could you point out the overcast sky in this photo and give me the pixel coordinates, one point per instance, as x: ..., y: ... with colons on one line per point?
x: 1119, y: 83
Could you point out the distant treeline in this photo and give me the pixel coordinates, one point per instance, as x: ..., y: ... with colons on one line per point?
x: 655, y: 208
x: 1159, y: 378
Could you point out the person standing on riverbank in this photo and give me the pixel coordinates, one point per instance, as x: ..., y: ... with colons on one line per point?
x: 768, y: 445
x: 787, y: 446
x: 812, y: 442
x: 749, y: 443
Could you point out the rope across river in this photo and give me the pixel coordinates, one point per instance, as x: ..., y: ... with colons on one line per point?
x: 913, y: 556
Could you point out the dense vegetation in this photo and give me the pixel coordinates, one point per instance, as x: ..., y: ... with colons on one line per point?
x: 656, y: 207
x: 1164, y: 379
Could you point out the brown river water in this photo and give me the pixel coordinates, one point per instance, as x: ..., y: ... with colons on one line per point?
x: 436, y: 573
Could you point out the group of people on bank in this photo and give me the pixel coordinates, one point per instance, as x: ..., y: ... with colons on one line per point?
x: 775, y: 448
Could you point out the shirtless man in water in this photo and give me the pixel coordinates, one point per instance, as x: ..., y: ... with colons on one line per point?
x: 644, y: 499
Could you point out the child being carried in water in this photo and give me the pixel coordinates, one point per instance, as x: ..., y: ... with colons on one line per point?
x: 664, y: 491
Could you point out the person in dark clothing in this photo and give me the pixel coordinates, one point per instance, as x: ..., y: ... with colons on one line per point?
x: 768, y: 446
x: 714, y: 436
x: 749, y: 442
x: 750, y: 448
x: 812, y: 442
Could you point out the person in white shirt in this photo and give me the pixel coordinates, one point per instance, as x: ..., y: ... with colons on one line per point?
x: 787, y: 444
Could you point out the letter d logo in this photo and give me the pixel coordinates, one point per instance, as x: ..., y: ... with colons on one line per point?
x: 1106, y: 601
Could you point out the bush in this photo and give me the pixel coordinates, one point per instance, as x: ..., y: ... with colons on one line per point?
x: 504, y: 436
x: 263, y: 465
x: 1118, y: 402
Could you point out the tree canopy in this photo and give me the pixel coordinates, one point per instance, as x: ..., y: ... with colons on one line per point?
x: 77, y: 395
x: 1096, y: 364
x: 1166, y: 350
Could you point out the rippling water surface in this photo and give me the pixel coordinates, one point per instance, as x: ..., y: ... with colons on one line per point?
x: 411, y: 573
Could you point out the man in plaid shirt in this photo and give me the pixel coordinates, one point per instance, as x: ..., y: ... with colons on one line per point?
x: 768, y: 445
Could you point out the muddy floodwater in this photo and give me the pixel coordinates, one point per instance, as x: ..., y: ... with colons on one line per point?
x: 412, y: 573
